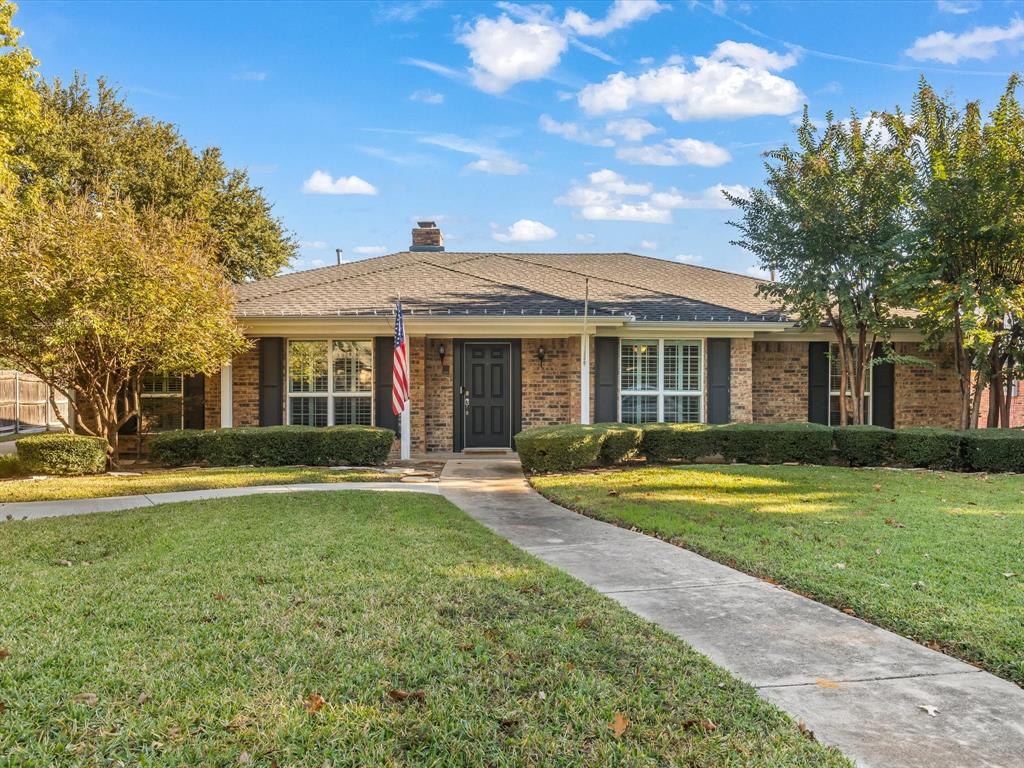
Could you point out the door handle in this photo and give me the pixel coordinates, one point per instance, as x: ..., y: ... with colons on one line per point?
x: 466, y: 401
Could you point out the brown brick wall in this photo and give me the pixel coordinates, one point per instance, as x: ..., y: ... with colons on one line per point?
x: 927, y: 396
x: 417, y: 394
x: 551, y: 391
x: 779, y: 381
x: 245, y: 391
x: 741, y: 382
x: 438, y: 402
x: 1016, y: 407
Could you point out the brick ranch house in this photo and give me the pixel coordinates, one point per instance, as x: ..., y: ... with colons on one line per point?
x: 496, y: 345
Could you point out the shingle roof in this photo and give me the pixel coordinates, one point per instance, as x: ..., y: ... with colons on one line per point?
x: 442, y: 283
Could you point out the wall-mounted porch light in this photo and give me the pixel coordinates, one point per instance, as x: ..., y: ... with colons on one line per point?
x: 541, y: 355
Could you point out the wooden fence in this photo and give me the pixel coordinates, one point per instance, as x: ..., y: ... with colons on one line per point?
x: 25, y: 404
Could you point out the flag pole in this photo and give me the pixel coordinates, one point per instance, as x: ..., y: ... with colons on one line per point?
x: 405, y: 429
x: 585, y: 358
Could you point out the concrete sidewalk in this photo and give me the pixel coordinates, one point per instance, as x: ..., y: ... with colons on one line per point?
x: 861, y: 689
x: 30, y: 510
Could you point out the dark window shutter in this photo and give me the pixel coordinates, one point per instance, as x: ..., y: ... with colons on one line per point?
x: 817, y: 382
x: 718, y: 381
x: 271, y: 381
x: 606, y: 376
x: 194, y: 401
x: 383, y: 359
x: 883, y: 392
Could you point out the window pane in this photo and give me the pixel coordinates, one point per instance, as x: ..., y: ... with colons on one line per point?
x: 640, y: 409
x: 161, y: 384
x: 639, y: 365
x: 682, y: 366
x: 307, y: 366
x: 682, y: 409
x: 353, y: 366
x: 161, y: 413
x: 308, y: 411
x: 352, y: 410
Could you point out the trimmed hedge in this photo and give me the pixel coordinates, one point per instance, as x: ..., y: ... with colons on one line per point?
x: 560, y: 448
x: 775, y: 443
x: 62, y: 453
x: 926, y: 447
x: 573, y: 446
x: 864, y: 446
x: 10, y: 466
x: 679, y: 442
x: 273, y: 446
x: 994, y: 450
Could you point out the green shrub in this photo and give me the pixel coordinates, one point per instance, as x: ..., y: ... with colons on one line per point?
x: 621, y: 442
x: 10, y: 466
x: 560, y: 448
x: 273, y: 446
x: 994, y: 450
x: 679, y: 442
x: 775, y: 443
x: 926, y: 447
x: 178, y: 448
x: 864, y: 446
x: 358, y: 446
x: 62, y: 453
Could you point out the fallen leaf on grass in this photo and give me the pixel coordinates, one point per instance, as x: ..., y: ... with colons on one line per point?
x: 143, y: 698
x: 399, y: 695
x: 619, y: 725
x: 824, y: 682
x: 3, y: 707
x: 66, y: 563
x: 1008, y: 574
x: 220, y: 596
x: 849, y: 612
x: 4, y: 653
x: 245, y: 759
x: 465, y: 646
x: 314, y: 703
x: 894, y: 523
x: 840, y: 566
x: 585, y: 622
x: 877, y: 486
x: 930, y: 709
x: 89, y: 699
x: 613, y: 492
x: 706, y: 723
x: 806, y: 732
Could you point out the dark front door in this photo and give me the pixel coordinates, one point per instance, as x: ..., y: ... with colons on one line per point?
x: 486, y: 391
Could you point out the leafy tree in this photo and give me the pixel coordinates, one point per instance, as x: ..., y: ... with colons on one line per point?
x: 93, y: 143
x: 829, y: 223
x: 96, y: 295
x: 19, y: 102
x: 967, y: 274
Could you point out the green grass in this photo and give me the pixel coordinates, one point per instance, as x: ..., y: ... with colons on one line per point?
x: 202, y: 630
x: 162, y: 481
x: 924, y: 554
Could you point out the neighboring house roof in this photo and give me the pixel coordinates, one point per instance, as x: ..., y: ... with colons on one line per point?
x: 529, y: 284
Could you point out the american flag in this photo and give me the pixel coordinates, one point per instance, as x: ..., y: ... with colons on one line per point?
x: 400, y: 368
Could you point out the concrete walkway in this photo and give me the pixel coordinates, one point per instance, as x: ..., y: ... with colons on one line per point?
x: 30, y: 510
x: 858, y: 687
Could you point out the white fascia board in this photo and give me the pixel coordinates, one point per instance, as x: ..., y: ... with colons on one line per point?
x: 423, y: 325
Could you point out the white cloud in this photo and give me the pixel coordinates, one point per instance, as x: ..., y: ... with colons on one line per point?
x: 321, y: 183
x: 489, y: 159
x: 689, y: 258
x: 404, y: 12
x: 676, y: 152
x: 312, y: 245
x: 735, y: 81
x: 631, y: 128
x: 958, y: 7
x: 573, y: 132
x: 603, y: 198
x: 750, y: 55
x: 253, y: 76
x: 977, y: 43
x: 709, y: 199
x: 524, y: 231
x: 505, y: 52
x: 620, y: 15
x: 648, y: 245
x: 427, y: 96
x: 585, y: 237
x: 437, y: 69
x: 370, y: 250
x: 565, y: 96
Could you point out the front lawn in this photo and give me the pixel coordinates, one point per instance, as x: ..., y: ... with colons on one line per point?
x: 163, y: 481
x: 350, y: 629
x: 937, y: 557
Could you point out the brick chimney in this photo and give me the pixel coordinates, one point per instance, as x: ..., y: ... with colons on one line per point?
x: 426, y: 237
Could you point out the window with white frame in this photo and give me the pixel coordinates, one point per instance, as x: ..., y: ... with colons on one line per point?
x: 660, y: 380
x: 835, y: 383
x: 161, y: 402
x: 330, y: 382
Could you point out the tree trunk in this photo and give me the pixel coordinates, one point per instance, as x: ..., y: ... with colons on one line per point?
x: 1004, y: 416
x: 963, y: 370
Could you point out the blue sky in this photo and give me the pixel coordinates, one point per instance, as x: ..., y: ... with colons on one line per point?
x: 585, y: 126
